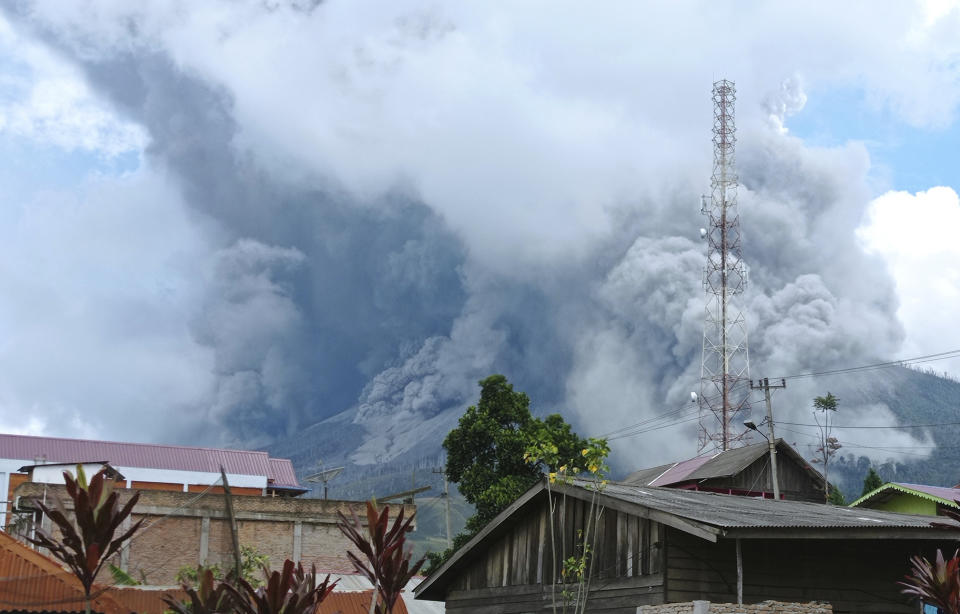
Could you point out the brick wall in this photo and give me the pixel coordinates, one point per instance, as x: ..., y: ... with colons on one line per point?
x: 186, y: 529
x: 765, y: 607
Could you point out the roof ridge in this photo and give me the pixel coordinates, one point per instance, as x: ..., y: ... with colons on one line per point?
x: 137, y: 443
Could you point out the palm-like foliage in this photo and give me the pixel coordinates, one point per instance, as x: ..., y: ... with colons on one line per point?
x: 208, y: 597
x: 385, y: 562
x: 88, y: 535
x: 936, y: 583
x: 289, y: 591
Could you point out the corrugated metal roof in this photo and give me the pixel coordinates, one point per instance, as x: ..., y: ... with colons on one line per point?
x: 941, y: 494
x: 679, y: 471
x: 33, y: 582
x: 281, y: 473
x: 356, y: 583
x: 156, y: 456
x: 729, y: 462
x: 353, y: 603
x: 734, y: 512
x: 721, y: 465
x: 949, y: 495
x: 645, y: 476
x: 144, y: 600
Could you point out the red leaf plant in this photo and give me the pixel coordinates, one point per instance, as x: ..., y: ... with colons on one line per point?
x: 385, y: 562
x: 205, y: 598
x: 289, y: 591
x: 87, y: 536
x: 936, y: 583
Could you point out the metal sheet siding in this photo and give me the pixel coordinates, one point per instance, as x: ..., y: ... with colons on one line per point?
x: 60, y: 450
x: 30, y: 581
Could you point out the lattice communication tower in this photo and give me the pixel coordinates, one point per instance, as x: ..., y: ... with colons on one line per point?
x: 725, y: 364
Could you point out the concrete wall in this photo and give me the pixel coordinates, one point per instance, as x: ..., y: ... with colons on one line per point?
x: 188, y: 529
x: 765, y: 607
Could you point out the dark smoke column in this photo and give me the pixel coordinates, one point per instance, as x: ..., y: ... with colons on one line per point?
x: 725, y: 362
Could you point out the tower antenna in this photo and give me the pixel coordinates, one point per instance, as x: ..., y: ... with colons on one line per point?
x: 725, y: 362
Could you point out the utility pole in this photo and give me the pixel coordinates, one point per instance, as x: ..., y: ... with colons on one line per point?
x: 233, y: 525
x: 446, y: 500
x: 765, y: 385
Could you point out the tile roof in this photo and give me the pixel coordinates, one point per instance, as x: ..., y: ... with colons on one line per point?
x: 147, y: 455
x: 32, y: 582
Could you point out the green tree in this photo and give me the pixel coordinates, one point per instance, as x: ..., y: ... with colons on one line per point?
x: 252, y: 564
x: 871, y: 482
x: 487, y: 452
x: 836, y: 497
x: 828, y: 445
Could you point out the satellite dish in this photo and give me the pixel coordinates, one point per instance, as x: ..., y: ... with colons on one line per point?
x: 703, y: 233
x: 693, y: 397
x: 324, y: 476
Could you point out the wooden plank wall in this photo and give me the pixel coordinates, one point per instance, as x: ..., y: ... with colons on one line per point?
x: 795, y: 484
x: 854, y: 575
x: 515, y: 572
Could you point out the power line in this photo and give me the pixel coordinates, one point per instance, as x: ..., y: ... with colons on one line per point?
x: 880, y: 365
x: 878, y: 426
x: 681, y: 412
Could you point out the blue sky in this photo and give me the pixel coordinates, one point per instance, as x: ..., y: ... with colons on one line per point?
x: 903, y: 156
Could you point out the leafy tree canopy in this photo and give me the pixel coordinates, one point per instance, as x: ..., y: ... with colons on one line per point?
x: 871, y: 482
x: 836, y: 497
x: 486, y: 452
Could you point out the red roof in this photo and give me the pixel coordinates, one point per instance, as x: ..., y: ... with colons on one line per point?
x: 148, y: 455
x: 281, y: 473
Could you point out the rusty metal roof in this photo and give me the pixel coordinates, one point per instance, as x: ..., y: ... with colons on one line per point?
x: 32, y: 582
x: 147, y: 455
x: 353, y: 603
x: 144, y: 600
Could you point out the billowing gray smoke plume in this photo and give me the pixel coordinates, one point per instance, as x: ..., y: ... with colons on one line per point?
x: 379, y: 245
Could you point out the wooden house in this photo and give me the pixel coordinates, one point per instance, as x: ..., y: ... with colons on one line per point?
x: 740, y: 471
x: 911, y: 499
x: 660, y: 545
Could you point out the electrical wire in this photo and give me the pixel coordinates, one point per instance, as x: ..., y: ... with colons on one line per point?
x: 880, y: 365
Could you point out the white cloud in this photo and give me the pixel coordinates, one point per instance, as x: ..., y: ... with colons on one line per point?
x: 916, y: 234
x: 98, y: 289
x: 46, y: 101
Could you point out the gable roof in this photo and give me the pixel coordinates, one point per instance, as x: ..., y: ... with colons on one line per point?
x: 710, y: 516
x: 719, y: 465
x: 33, y: 582
x: 940, y: 494
x: 148, y: 455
